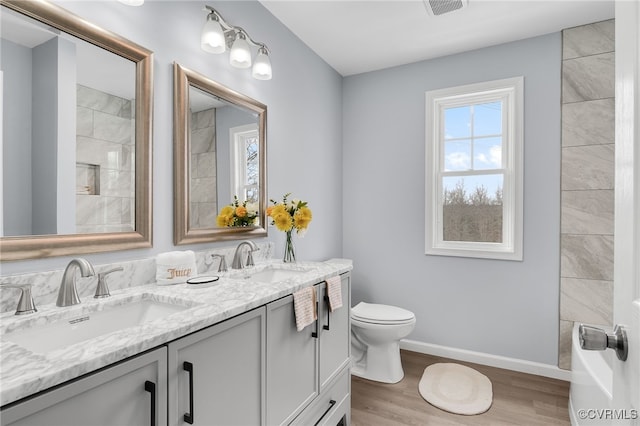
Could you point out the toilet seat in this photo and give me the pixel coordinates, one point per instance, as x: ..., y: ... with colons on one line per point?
x: 373, y: 313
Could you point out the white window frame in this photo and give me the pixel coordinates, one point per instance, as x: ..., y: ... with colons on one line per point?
x: 510, y: 92
x: 237, y: 135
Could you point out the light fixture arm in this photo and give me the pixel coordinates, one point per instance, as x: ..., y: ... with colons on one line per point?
x: 230, y: 31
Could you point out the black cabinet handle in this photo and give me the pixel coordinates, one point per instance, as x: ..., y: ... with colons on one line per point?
x: 188, y: 367
x: 151, y: 388
x: 331, y: 404
x: 315, y: 333
x: 327, y: 304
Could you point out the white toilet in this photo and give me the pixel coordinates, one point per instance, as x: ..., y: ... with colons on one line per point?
x: 376, y: 331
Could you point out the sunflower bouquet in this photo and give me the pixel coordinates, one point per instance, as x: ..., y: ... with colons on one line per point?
x: 238, y: 214
x: 287, y: 216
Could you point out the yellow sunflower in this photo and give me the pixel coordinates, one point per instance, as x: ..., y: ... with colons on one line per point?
x: 283, y: 221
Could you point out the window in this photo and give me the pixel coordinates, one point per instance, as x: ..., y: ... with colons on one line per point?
x: 474, y: 170
x: 245, y: 163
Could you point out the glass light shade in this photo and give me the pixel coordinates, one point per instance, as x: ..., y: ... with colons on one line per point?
x: 132, y: 2
x: 240, y: 55
x: 212, y: 39
x: 262, y: 66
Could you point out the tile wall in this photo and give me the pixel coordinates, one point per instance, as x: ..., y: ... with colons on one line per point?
x: 203, y: 196
x: 586, y: 267
x: 105, y: 185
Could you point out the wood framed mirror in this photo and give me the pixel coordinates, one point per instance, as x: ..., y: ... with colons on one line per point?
x: 59, y: 188
x: 219, y: 155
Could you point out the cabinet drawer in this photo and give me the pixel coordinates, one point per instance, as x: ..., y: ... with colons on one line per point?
x: 117, y: 395
x: 331, y: 404
x: 338, y: 412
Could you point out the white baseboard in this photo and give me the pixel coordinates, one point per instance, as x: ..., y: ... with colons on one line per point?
x: 506, y: 363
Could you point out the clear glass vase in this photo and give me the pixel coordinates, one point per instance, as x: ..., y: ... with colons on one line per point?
x: 289, y: 249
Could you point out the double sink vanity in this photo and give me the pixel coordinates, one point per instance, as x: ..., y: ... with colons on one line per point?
x: 223, y: 353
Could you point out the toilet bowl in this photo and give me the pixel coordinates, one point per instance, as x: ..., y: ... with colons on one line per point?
x: 376, y: 331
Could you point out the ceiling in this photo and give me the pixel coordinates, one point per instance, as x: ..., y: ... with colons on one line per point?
x: 360, y: 36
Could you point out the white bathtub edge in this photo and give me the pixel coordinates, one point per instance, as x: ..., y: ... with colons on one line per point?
x: 572, y: 413
x: 513, y: 364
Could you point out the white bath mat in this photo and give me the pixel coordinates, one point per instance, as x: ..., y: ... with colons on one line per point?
x: 456, y: 388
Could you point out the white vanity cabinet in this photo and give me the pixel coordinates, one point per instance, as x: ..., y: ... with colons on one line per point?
x: 252, y: 369
x: 217, y: 375
x: 132, y: 392
x: 307, y: 376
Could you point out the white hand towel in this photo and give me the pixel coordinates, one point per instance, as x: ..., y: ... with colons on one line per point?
x: 334, y: 290
x: 304, y: 305
x: 175, y: 267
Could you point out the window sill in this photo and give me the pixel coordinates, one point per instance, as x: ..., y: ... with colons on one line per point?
x: 476, y: 253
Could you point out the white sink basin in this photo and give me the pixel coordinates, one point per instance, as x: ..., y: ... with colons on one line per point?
x: 65, y: 332
x: 273, y: 275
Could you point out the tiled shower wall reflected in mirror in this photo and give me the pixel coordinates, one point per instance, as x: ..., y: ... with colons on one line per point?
x: 105, y: 146
x: 203, y: 197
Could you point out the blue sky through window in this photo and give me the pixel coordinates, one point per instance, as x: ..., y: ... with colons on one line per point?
x: 473, y: 142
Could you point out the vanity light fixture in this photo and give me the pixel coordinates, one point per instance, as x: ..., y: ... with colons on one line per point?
x: 218, y: 35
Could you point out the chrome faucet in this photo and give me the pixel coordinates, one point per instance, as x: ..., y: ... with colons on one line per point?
x: 68, y: 294
x: 237, y: 257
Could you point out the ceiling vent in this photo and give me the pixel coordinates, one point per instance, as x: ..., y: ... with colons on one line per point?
x: 440, y: 7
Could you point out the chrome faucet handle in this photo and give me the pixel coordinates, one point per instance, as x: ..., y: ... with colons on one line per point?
x: 102, y: 290
x: 25, y: 303
x: 223, y: 262
x: 250, y: 259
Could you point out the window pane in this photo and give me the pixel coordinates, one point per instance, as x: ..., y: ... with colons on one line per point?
x: 251, y: 147
x: 472, y: 208
x: 457, y: 155
x: 457, y: 122
x: 487, y: 119
x: 487, y: 153
x: 251, y: 195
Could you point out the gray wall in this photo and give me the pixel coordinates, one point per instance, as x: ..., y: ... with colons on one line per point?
x: 304, y: 120
x: 16, y: 168
x: 44, y: 155
x: 498, y: 307
x: 53, y: 137
x: 39, y: 152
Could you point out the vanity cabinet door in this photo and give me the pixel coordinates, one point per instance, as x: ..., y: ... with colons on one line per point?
x: 217, y: 375
x: 335, y: 334
x: 124, y: 394
x: 292, y: 363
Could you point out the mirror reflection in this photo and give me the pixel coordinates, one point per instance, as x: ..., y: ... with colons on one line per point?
x: 76, y: 135
x: 69, y: 134
x: 220, y: 158
x: 224, y: 156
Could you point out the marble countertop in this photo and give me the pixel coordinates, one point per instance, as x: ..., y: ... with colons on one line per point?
x: 23, y: 372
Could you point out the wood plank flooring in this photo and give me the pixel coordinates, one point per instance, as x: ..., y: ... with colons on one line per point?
x: 518, y: 399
